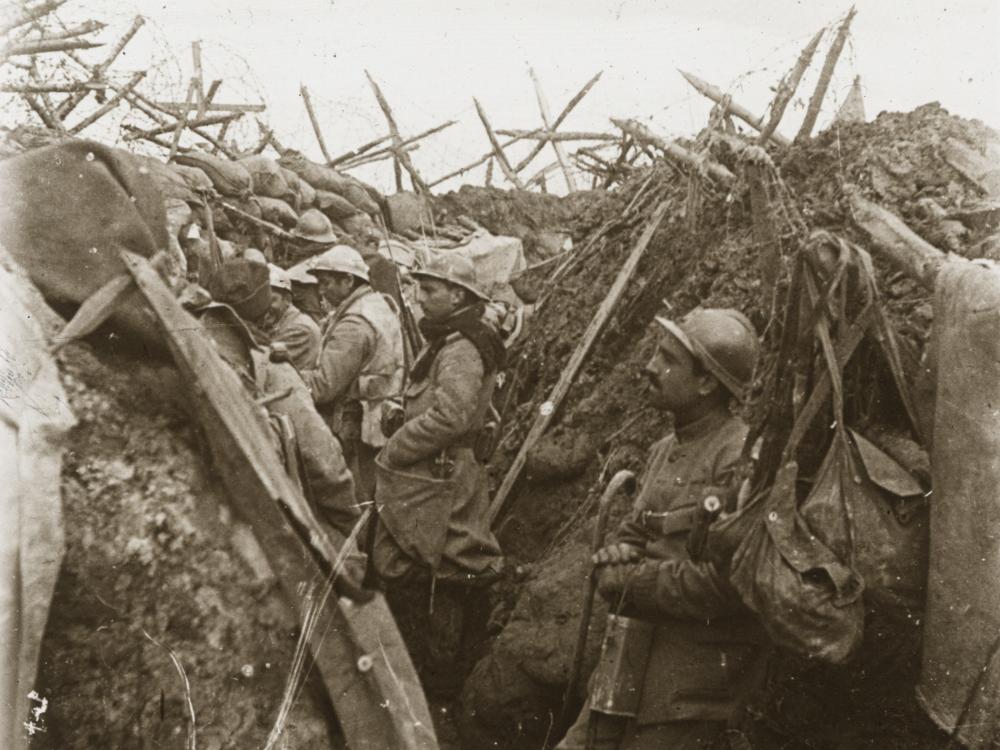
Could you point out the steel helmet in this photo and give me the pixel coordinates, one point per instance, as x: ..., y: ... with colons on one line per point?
x: 340, y: 259
x: 300, y: 274
x: 314, y: 227
x: 455, y: 269
x: 723, y: 340
x: 279, y: 278
x: 255, y: 255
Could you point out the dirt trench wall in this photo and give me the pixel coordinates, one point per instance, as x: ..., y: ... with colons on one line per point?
x: 899, y: 160
x: 153, y: 555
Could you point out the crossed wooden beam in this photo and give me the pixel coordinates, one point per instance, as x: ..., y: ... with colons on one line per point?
x: 547, y: 134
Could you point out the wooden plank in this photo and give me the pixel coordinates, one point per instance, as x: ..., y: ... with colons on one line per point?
x: 96, y: 309
x: 825, y: 76
x: 569, y: 373
x: 380, y: 707
x: 895, y: 241
x: 543, y: 109
x: 735, y: 108
x: 501, y: 157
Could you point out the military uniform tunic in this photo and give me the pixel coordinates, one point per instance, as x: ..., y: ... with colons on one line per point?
x: 705, y: 646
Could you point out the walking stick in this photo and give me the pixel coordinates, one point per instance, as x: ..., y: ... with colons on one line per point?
x: 622, y: 479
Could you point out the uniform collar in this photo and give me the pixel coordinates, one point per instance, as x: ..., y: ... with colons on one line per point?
x: 701, y: 427
x: 353, y: 297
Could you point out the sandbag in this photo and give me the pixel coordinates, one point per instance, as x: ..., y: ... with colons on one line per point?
x: 357, y: 195
x: 178, y: 216
x: 194, y: 178
x: 960, y: 673
x: 307, y: 195
x: 277, y: 211
x: 268, y: 181
x: 228, y: 177
x: 319, y: 176
x: 358, y: 225
x: 166, y: 180
x: 334, y: 206
x: 68, y: 211
x: 408, y: 212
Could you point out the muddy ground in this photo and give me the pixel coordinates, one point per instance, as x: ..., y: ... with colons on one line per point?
x: 155, y: 562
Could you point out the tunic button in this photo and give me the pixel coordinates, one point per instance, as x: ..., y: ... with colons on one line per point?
x: 678, y: 480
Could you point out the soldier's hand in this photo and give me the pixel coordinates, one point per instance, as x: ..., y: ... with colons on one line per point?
x: 617, y: 554
x: 612, y: 579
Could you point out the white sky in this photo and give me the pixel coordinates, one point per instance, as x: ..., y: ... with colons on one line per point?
x: 432, y: 57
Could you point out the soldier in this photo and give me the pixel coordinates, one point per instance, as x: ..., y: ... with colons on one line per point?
x: 242, y: 288
x: 314, y: 231
x: 287, y: 325
x: 704, y: 651
x: 305, y: 292
x: 433, y: 540
x: 361, y: 360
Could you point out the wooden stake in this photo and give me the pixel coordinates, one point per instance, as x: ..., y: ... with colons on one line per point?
x: 826, y: 74
x: 87, y: 27
x: 642, y: 134
x: 198, y: 78
x: 135, y: 96
x: 376, y: 156
x: 169, y: 127
x: 501, y: 158
x: 98, y: 71
x: 489, y: 172
x: 360, y: 150
x: 304, y: 92
x: 764, y: 233
x: 543, y: 109
x: 402, y: 158
x: 37, y: 48
x: 405, y: 145
x: 551, y: 406
x: 48, y: 119
x: 786, y: 89
x: 182, y: 122
x: 109, y: 105
x: 52, y: 88
x: 715, y: 94
x: 548, y: 136
x: 25, y: 14
x: 570, y: 106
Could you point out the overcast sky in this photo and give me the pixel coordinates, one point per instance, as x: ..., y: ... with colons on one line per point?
x: 432, y: 57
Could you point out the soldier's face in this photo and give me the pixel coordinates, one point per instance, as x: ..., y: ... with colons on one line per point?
x: 336, y: 287
x: 438, y: 299
x: 673, y: 375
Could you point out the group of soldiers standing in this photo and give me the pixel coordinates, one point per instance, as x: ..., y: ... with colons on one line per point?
x: 384, y: 425
x: 378, y: 422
